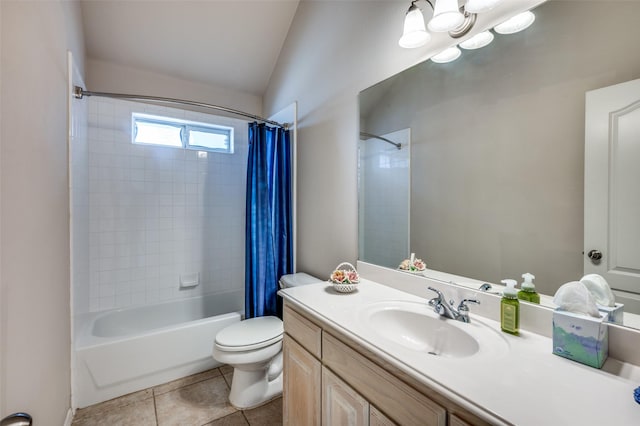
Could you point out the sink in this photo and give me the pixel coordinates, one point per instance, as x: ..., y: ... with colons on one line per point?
x: 415, y: 327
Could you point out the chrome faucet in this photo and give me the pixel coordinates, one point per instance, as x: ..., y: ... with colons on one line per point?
x: 441, y: 307
x: 485, y: 287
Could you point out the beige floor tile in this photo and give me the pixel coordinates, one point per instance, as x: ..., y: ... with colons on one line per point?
x: 226, y: 369
x: 184, y: 381
x: 139, y: 413
x: 269, y: 414
x: 113, y: 404
x: 235, y: 419
x: 194, y: 404
x: 228, y: 377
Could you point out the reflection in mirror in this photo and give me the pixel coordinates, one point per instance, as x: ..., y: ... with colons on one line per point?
x: 383, y: 197
x: 498, y: 147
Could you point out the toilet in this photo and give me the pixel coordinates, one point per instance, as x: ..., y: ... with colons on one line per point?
x: 253, y: 348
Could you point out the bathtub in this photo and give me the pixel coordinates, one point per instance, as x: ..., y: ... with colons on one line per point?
x: 121, y: 351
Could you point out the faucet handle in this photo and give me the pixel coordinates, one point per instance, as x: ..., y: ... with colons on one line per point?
x: 485, y: 287
x: 438, y: 292
x: 463, y: 304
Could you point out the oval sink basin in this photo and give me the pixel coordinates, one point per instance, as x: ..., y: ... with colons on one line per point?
x: 415, y: 326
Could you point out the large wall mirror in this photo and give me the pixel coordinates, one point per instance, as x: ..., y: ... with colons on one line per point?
x: 490, y: 182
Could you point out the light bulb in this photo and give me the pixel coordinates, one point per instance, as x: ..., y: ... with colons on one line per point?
x: 477, y: 41
x: 415, y: 33
x: 446, y: 16
x: 479, y: 6
x: 447, y: 55
x: 516, y: 23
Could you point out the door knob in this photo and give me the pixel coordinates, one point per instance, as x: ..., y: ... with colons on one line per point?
x: 595, y: 255
x: 16, y: 419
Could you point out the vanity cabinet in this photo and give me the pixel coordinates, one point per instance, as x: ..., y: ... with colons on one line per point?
x: 341, y: 404
x: 301, y: 382
x: 330, y: 380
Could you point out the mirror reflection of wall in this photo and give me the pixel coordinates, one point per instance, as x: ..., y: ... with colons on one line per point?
x: 497, y: 155
x: 383, y: 178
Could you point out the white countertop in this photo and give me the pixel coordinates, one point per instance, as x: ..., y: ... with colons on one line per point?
x: 525, y: 384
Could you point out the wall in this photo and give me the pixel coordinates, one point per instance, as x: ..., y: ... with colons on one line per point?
x: 498, y: 143
x: 159, y: 213
x: 335, y: 49
x: 109, y: 77
x: 34, y: 268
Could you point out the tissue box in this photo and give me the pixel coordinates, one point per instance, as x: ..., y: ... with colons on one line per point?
x: 581, y: 338
x: 614, y: 314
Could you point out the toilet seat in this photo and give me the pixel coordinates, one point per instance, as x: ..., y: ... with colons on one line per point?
x: 254, y: 333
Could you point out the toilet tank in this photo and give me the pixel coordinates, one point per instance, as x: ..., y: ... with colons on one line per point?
x: 299, y: 278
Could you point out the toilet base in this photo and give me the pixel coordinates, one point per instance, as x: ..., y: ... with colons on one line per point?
x: 251, y: 388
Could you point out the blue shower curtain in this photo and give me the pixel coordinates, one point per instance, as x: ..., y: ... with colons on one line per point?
x: 269, y: 239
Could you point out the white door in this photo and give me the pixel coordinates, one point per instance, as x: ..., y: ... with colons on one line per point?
x: 612, y: 188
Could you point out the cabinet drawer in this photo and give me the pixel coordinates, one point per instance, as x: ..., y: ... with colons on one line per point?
x: 403, y: 404
x: 376, y: 418
x: 303, y: 331
x: 457, y: 421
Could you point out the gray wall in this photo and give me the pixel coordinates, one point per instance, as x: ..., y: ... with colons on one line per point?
x: 335, y: 49
x: 34, y: 278
x: 498, y: 142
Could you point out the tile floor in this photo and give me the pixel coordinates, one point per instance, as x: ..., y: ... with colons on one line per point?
x: 198, y: 400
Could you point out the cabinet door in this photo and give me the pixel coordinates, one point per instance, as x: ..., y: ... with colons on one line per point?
x: 301, y: 387
x: 341, y: 405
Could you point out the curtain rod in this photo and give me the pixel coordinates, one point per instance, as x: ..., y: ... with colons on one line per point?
x: 371, y: 135
x: 79, y: 93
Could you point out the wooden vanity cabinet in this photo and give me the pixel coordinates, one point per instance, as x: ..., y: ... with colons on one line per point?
x: 329, y: 380
x: 301, y: 385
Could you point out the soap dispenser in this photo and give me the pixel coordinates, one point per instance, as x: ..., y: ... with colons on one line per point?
x: 510, y: 308
x: 528, y: 289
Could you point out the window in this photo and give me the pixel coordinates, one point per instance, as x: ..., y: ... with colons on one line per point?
x: 165, y: 131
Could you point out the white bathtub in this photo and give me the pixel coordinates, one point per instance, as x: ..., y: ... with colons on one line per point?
x: 126, y: 350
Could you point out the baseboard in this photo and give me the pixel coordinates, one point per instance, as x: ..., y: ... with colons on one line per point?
x: 69, y: 418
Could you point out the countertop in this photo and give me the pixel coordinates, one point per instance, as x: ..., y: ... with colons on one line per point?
x: 524, y: 384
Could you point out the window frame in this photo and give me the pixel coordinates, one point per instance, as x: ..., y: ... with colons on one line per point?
x: 185, y: 127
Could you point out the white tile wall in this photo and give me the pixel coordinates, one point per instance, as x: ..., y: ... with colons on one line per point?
x: 384, y: 200
x: 158, y: 212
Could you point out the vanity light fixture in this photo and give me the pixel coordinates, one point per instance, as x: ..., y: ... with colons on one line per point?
x: 415, y: 34
x: 447, y: 17
x: 479, y: 6
x: 515, y: 24
x: 478, y: 41
x: 449, y: 54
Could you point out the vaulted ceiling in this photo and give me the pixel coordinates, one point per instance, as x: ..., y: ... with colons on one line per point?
x: 228, y: 43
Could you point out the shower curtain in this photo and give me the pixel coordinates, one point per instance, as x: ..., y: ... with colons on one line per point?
x: 269, y: 241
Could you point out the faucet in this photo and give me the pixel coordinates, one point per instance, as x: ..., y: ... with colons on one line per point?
x: 441, y: 307
x: 485, y: 287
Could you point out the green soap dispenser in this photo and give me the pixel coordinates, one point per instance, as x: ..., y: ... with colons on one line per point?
x: 510, y: 308
x: 528, y: 289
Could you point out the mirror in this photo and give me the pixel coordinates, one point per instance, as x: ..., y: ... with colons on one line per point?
x: 497, y: 147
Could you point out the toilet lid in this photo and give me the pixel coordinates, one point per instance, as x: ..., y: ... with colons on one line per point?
x: 253, y: 333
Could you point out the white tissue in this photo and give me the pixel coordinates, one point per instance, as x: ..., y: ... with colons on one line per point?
x: 575, y: 297
x: 599, y: 289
